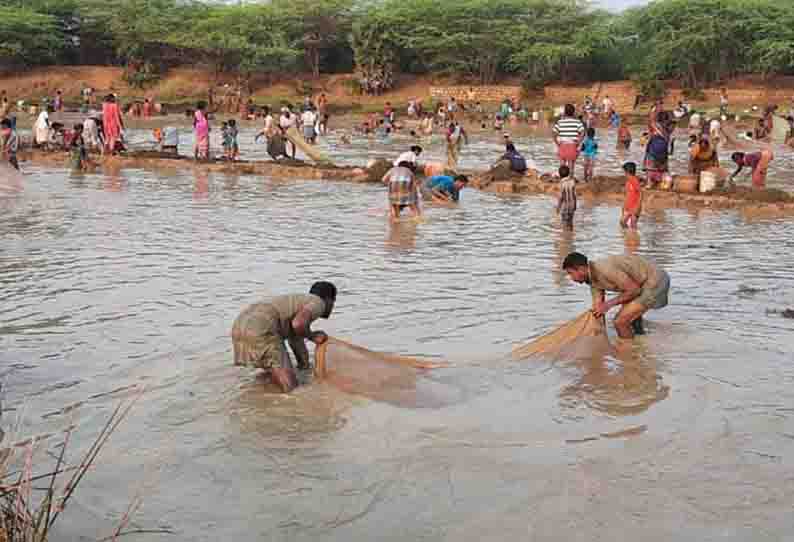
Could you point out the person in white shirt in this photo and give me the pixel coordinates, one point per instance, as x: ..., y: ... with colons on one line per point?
x: 411, y: 156
x: 41, y: 129
x: 286, y: 121
x: 309, y: 119
x: 269, y: 129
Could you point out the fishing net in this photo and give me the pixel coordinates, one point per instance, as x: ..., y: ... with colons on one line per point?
x: 584, y: 336
x: 385, y: 377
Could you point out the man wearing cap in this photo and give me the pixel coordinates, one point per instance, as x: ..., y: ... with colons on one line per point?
x: 259, y: 332
x: 641, y: 285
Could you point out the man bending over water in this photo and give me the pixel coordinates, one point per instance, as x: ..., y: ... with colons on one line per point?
x: 260, y: 330
x: 641, y: 286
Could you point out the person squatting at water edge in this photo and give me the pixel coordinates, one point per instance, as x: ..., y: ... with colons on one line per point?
x: 259, y: 332
x: 758, y: 162
x: 444, y: 188
x: 640, y: 283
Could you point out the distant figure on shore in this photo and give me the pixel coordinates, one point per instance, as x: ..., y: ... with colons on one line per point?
x: 590, y: 152
x: 640, y: 283
x: 456, y: 136
x: 41, y: 128
x: 567, y: 203
x: 259, y: 332
x: 568, y: 134
x: 112, y: 123
x: 201, y: 131
x: 758, y: 162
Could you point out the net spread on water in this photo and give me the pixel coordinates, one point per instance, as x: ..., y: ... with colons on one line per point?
x: 585, y: 335
x: 381, y: 376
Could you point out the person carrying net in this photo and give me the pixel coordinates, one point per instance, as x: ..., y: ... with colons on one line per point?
x: 259, y: 332
x: 640, y: 285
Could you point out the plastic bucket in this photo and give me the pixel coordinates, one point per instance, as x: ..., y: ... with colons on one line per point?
x: 708, y: 180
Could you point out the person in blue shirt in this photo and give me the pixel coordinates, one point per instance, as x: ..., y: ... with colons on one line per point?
x: 444, y: 187
x: 590, y: 151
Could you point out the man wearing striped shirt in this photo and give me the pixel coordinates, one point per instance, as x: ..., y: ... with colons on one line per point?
x: 568, y: 135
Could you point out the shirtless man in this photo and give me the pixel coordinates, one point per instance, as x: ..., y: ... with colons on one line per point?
x: 640, y: 284
x: 259, y: 332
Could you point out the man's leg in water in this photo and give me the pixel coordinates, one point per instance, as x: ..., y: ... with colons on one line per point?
x: 298, y: 347
x: 283, y: 375
x: 624, y: 321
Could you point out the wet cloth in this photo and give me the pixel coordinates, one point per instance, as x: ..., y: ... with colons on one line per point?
x: 402, y: 186
x: 259, y: 332
x: 609, y: 273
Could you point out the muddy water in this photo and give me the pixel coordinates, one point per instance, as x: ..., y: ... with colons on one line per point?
x: 127, y: 278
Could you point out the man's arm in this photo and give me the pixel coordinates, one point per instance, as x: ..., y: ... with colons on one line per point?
x: 301, y: 327
x: 630, y: 290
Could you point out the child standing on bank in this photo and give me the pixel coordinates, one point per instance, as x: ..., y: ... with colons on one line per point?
x: 589, y: 151
x: 632, y: 205
x: 566, y: 205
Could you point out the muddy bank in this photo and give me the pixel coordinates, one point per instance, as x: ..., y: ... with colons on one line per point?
x: 497, y: 180
x: 610, y: 189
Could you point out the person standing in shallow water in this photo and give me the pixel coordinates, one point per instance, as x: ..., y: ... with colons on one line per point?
x: 640, y: 284
x: 259, y: 332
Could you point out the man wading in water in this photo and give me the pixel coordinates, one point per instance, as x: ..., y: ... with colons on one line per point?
x: 641, y: 284
x: 260, y: 330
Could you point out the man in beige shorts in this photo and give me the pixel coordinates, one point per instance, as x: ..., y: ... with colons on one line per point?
x: 640, y: 283
x: 259, y: 332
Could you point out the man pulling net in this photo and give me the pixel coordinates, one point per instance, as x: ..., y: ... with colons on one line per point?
x: 640, y: 284
x: 259, y: 332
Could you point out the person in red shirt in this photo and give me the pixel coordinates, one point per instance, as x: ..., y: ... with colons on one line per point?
x: 632, y: 205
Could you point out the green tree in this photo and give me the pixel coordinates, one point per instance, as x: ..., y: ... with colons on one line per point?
x: 28, y: 37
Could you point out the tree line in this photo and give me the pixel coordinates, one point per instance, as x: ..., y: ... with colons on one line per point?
x: 698, y: 42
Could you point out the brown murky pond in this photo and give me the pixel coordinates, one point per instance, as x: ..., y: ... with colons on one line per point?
x: 116, y: 280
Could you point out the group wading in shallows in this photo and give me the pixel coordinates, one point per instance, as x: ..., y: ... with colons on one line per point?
x: 260, y: 331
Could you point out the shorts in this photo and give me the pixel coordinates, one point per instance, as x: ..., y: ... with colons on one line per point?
x: 568, y: 152
x: 256, y: 339
x: 656, y: 297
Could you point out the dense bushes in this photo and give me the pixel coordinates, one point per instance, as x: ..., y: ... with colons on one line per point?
x: 695, y: 41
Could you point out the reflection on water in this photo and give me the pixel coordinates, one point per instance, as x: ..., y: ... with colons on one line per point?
x: 133, y: 277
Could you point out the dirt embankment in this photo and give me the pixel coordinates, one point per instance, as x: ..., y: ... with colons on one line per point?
x: 498, y: 180
x: 187, y: 85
